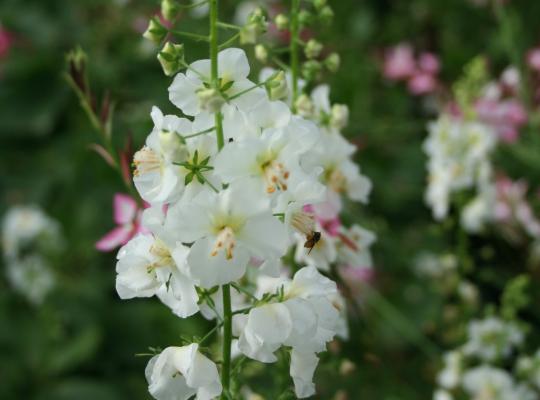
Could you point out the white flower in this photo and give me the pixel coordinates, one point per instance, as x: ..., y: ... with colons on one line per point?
x: 441, y: 394
x: 232, y: 73
x: 354, y: 247
x: 492, y: 338
x: 458, y: 151
x: 273, y: 160
x: 478, y: 211
x: 305, y: 320
x: 486, y: 382
x: 22, y: 225
x: 332, y: 118
x: 148, y: 266
x: 32, y: 277
x: 226, y: 229
x: 179, y: 373
x: 450, y: 376
x: 340, y: 174
x: 321, y: 255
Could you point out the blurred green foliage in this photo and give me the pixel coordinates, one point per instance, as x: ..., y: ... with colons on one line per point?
x: 81, y: 344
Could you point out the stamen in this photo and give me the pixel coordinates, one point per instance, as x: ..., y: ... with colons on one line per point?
x: 225, y: 240
x: 162, y: 254
x: 146, y: 160
x: 337, y: 181
x: 275, y: 176
x: 303, y: 222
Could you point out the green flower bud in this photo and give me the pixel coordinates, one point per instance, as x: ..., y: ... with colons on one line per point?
x: 281, y: 21
x: 313, y: 48
x: 256, y: 26
x: 261, y: 53
x: 305, y: 18
x: 319, y: 4
x: 311, y: 70
x: 304, y: 106
x: 169, y: 9
x: 277, y: 86
x: 155, y: 31
x: 332, y: 62
x: 339, y: 116
x: 171, y: 58
x: 210, y: 99
x: 326, y: 14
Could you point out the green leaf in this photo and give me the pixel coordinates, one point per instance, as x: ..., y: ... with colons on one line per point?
x: 189, y: 178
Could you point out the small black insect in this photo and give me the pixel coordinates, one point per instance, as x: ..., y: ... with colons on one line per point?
x: 231, y: 140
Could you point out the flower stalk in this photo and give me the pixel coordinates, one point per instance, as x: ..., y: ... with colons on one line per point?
x: 293, y: 46
x: 227, y: 313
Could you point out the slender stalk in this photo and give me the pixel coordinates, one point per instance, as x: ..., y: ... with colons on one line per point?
x: 214, y: 65
x: 293, y: 46
x: 227, y: 339
x: 227, y: 313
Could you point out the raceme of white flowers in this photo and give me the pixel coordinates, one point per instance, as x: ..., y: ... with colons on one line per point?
x: 217, y: 217
x: 476, y: 368
x: 458, y: 152
x: 28, y: 234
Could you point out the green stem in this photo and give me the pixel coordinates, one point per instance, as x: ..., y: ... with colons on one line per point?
x: 227, y: 313
x: 229, y: 26
x: 227, y: 339
x: 295, y: 58
x: 190, y: 35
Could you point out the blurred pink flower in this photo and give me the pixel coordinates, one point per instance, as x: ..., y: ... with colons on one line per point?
x: 505, y: 116
x: 429, y: 63
x: 422, y: 83
x: 127, y: 217
x: 399, y: 63
x: 6, y: 40
x: 512, y: 208
x: 533, y: 59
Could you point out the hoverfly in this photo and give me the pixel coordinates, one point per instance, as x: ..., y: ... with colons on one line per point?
x: 311, y: 240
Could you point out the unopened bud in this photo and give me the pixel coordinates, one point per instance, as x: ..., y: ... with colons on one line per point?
x: 261, y: 53
x: 319, y: 4
x: 347, y: 367
x: 171, y: 58
x: 76, y: 61
x: 277, y: 86
x: 155, y: 31
x: 305, y: 18
x: 304, y: 106
x: 169, y: 9
x: 332, y: 62
x: 339, y: 116
x: 313, y: 48
x: 326, y: 14
x: 172, y: 146
x: 210, y: 99
x: 311, y: 69
x: 281, y: 21
x: 255, y: 27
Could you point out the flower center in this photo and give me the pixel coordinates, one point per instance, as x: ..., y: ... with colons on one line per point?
x: 275, y: 175
x: 146, y: 160
x: 162, y: 254
x: 336, y: 180
x: 225, y: 240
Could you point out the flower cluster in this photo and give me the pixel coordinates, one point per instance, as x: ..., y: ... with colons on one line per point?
x: 29, y: 236
x: 420, y: 73
x: 458, y: 152
x: 225, y: 213
x: 475, y: 368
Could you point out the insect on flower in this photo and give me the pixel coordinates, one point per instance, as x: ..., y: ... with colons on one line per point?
x: 311, y: 240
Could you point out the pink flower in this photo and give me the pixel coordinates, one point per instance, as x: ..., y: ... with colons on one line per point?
x: 399, y: 63
x: 505, y: 116
x: 533, y: 59
x: 6, y: 40
x: 127, y: 217
x: 422, y: 83
x: 429, y: 63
